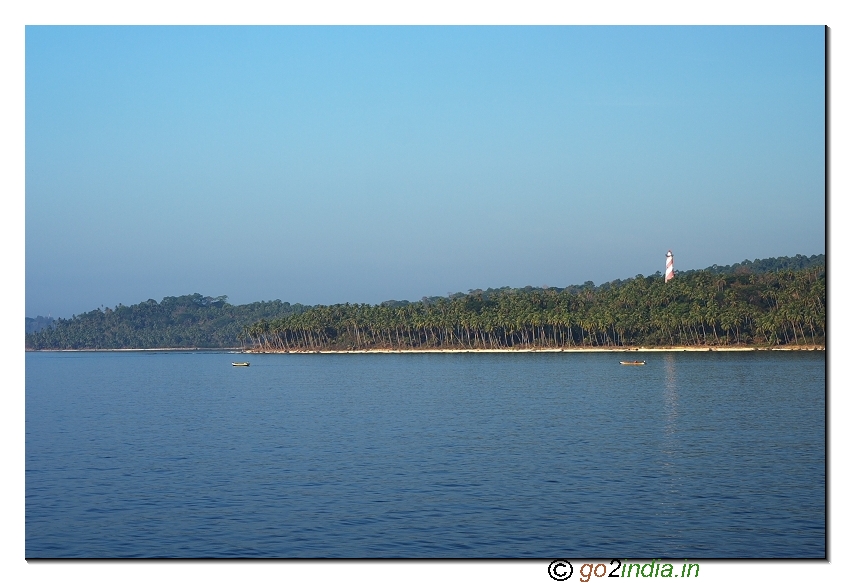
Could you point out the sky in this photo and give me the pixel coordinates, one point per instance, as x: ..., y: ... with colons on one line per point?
x: 327, y: 165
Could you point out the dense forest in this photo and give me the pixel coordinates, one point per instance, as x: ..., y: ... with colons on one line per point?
x: 779, y: 301
x: 770, y: 265
x: 787, y: 307
x: 191, y: 321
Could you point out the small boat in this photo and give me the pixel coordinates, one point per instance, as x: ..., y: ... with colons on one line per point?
x: 241, y: 363
x: 633, y: 362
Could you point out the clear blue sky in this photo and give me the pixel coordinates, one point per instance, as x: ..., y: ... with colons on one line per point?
x: 360, y: 164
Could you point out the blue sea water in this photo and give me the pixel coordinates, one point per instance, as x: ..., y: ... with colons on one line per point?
x: 542, y: 455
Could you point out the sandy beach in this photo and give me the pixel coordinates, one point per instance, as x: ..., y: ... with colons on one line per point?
x: 238, y: 350
x: 572, y: 349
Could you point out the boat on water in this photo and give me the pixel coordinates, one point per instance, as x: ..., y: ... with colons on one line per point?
x: 241, y: 363
x: 633, y: 362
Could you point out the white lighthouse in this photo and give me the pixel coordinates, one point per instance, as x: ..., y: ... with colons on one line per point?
x: 668, y: 272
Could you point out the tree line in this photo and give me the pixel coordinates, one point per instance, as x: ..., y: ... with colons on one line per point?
x: 189, y: 321
x: 698, y: 308
x: 767, y: 302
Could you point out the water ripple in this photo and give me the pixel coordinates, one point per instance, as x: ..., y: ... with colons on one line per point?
x: 466, y: 455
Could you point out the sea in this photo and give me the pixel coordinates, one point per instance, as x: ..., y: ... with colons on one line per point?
x: 459, y: 455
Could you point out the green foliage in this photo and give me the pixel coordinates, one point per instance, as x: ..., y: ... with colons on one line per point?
x: 697, y: 308
x: 766, y: 302
x: 191, y: 321
x: 773, y: 264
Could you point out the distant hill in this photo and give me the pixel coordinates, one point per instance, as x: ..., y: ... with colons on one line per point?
x: 38, y: 323
x: 190, y: 321
x: 197, y: 321
x: 757, y: 266
x: 770, y: 265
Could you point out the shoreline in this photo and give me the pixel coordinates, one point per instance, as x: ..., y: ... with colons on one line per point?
x: 574, y: 349
x: 551, y: 350
x: 233, y: 349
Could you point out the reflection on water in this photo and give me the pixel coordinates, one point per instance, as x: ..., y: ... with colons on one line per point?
x: 671, y: 448
x: 671, y: 394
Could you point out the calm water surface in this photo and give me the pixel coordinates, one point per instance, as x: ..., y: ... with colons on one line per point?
x: 694, y: 455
